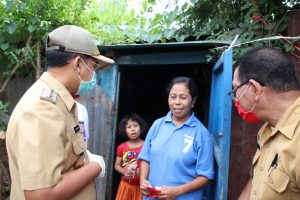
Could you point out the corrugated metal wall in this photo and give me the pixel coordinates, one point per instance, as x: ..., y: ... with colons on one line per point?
x: 102, y: 110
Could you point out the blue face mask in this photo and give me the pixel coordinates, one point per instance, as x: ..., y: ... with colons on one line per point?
x: 86, y: 87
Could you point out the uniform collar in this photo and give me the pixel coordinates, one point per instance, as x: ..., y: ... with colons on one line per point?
x: 287, y: 122
x: 189, y: 122
x: 60, y: 89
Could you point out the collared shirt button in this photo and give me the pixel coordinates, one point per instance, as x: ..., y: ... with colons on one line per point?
x: 254, y: 192
x: 261, y: 168
x: 271, y: 180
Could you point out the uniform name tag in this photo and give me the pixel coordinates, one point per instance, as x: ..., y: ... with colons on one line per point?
x: 76, y: 128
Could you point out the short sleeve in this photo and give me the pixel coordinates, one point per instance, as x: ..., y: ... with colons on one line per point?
x: 205, y: 159
x: 145, y: 152
x: 83, y: 118
x: 120, y: 150
x: 41, y: 146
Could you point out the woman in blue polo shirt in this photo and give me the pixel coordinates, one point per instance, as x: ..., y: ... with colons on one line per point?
x: 177, y: 156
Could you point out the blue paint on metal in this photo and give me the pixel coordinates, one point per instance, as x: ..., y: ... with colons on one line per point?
x: 164, y: 58
x: 107, y: 80
x: 220, y: 122
x: 103, y: 105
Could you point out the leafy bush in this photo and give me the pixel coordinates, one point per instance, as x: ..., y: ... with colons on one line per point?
x: 4, y: 117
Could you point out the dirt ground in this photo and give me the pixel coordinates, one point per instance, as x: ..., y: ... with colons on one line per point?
x: 4, y: 172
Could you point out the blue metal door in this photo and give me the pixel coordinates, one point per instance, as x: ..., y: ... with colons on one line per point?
x: 220, y: 122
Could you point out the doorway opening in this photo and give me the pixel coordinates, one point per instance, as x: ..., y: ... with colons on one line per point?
x: 142, y: 90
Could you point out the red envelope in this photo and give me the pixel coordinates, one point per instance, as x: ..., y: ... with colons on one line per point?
x: 153, y: 192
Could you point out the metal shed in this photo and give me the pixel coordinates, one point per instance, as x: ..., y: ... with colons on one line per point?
x: 136, y: 83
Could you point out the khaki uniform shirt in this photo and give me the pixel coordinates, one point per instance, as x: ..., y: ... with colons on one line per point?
x: 43, y: 139
x: 276, y: 164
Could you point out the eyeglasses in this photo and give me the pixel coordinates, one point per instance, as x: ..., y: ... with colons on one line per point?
x: 232, y: 93
x: 96, y: 65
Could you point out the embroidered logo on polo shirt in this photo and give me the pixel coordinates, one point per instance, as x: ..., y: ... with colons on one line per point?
x: 189, y: 141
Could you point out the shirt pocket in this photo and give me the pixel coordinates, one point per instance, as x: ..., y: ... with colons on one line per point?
x: 277, y: 180
x: 79, y: 145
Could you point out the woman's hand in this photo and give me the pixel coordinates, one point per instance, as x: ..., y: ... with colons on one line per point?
x: 143, y: 184
x: 169, y: 192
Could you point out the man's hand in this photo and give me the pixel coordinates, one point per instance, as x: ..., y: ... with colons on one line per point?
x: 98, y: 159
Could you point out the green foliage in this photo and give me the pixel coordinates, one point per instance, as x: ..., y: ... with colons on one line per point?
x: 218, y: 20
x: 23, y: 29
x: 223, y: 20
x: 4, y: 117
x: 24, y: 24
x: 162, y: 26
x: 108, y: 21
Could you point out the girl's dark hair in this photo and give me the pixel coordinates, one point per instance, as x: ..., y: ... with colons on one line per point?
x: 189, y: 82
x: 133, y: 117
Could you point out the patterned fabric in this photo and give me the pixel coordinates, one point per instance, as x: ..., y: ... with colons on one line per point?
x: 129, y: 159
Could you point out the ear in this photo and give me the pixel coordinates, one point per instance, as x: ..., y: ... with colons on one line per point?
x: 76, y: 63
x: 258, y: 88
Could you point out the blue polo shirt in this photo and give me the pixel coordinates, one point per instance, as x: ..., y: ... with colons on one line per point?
x: 177, y: 155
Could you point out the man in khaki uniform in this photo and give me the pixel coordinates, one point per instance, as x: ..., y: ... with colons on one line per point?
x: 266, y: 88
x: 48, y: 158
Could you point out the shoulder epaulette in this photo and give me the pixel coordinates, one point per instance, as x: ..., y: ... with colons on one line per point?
x: 49, y: 95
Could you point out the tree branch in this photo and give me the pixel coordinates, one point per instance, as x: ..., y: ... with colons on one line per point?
x: 32, y: 62
x: 38, y: 61
x: 256, y: 12
x: 16, y: 67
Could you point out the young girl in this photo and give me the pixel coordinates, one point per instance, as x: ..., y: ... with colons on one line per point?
x: 130, y: 126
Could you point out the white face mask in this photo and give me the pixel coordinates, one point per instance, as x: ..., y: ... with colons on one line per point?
x: 86, y: 87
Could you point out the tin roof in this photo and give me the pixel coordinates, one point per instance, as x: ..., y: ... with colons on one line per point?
x: 162, y: 53
x: 208, y: 44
